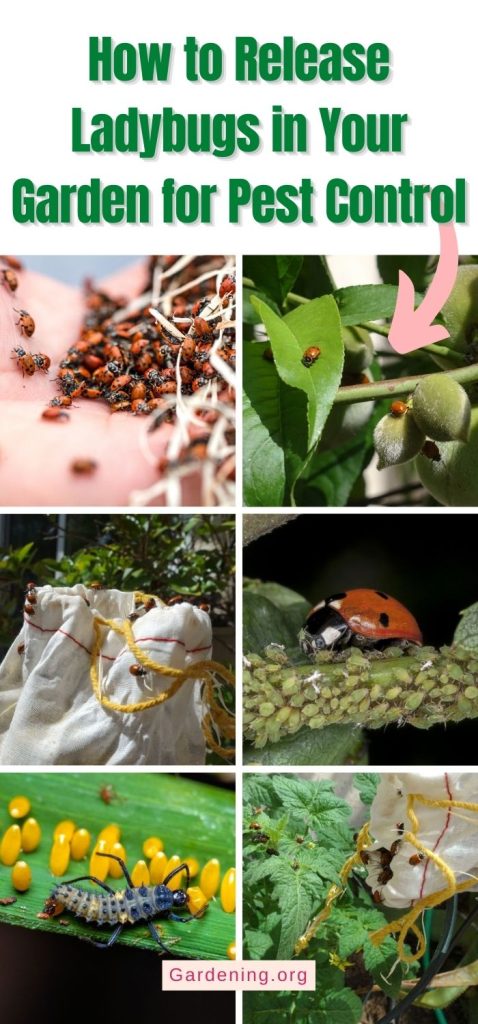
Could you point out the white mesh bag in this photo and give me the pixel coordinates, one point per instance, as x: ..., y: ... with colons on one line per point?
x: 49, y: 712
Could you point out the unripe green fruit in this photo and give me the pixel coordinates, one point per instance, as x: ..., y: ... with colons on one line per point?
x: 460, y: 311
x: 441, y: 408
x: 358, y: 349
x: 453, y: 481
x: 397, y: 440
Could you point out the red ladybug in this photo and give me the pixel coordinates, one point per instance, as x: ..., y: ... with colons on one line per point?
x: 368, y: 619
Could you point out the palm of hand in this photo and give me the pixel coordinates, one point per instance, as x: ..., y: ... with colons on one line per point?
x: 36, y: 454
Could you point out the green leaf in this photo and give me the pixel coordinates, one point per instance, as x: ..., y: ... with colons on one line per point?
x: 273, y: 275
x: 466, y: 632
x: 325, y: 863
x: 366, y: 784
x: 274, y: 431
x: 292, y: 606
x: 315, y: 278
x: 257, y: 944
x: 315, y: 324
x: 249, y: 314
x: 295, y: 892
x: 263, y: 458
x: 267, y: 1007
x: 363, y: 302
x: 418, y: 268
x: 337, y: 744
x: 311, y: 800
x: 192, y: 818
x: 263, y: 624
x: 352, y: 936
x: 340, y: 1007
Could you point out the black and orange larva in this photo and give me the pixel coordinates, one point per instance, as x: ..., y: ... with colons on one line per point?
x: 121, y: 907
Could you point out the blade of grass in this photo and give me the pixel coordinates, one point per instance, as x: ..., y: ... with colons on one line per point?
x: 192, y: 818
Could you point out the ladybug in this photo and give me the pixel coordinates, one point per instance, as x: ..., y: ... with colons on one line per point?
x: 398, y: 409
x: 25, y: 322
x: 56, y: 414
x: 83, y: 467
x: 10, y: 279
x: 431, y: 451
x: 137, y: 670
x: 368, y: 619
x: 25, y: 361
x: 310, y: 355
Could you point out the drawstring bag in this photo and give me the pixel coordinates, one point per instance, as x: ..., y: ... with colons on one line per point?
x: 106, y: 677
x: 419, y: 848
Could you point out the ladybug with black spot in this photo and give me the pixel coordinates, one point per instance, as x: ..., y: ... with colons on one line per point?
x: 368, y: 619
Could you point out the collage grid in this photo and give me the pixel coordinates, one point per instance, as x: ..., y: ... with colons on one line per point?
x: 308, y: 554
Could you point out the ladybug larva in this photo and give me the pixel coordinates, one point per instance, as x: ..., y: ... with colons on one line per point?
x: 368, y: 619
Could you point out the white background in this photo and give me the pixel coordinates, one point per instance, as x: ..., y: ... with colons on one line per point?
x: 44, y: 72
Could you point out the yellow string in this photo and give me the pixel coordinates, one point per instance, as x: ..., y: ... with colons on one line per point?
x: 203, y: 670
x: 364, y: 839
x: 408, y: 921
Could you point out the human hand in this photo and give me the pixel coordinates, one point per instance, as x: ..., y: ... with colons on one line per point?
x: 36, y: 454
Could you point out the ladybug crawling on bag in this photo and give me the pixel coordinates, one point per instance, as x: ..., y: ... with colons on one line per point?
x: 368, y: 619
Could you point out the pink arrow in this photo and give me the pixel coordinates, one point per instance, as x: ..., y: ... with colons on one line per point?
x: 412, y: 328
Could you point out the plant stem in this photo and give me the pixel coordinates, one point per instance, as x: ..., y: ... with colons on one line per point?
x: 299, y: 300
x: 400, y: 385
x: 382, y: 329
x: 438, y: 350
x: 422, y: 687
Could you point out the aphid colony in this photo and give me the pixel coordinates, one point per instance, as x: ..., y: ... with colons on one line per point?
x: 107, y: 858
x: 134, y: 356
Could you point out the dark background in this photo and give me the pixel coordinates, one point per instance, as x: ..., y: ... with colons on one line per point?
x: 426, y: 561
x: 56, y: 978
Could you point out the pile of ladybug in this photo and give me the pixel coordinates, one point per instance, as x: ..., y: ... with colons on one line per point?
x: 128, y: 357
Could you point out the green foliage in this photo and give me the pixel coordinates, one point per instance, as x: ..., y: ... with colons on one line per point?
x: 420, y: 269
x: 275, y: 275
x: 193, y: 556
x: 15, y: 565
x: 296, y: 839
x: 301, y: 446
x: 287, y: 403
x: 363, y: 302
x: 466, y: 632
x: 366, y: 784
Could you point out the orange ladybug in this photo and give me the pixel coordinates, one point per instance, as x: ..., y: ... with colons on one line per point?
x: 25, y: 322
x: 368, y: 619
x: 310, y: 356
